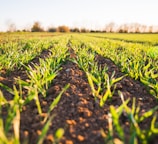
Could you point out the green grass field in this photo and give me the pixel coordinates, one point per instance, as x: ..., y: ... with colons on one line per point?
x: 31, y: 62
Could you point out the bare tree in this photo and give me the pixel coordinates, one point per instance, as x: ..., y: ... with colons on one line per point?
x: 123, y: 28
x: 52, y: 29
x: 110, y: 27
x: 37, y: 27
x: 150, y: 29
x: 84, y: 30
x: 11, y: 27
x: 75, y: 29
x: 63, y: 29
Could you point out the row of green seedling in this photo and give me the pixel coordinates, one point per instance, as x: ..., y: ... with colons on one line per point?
x: 40, y: 77
x: 13, y: 54
x: 134, y: 118
x: 151, y: 39
x: 102, y: 85
x: 10, y: 126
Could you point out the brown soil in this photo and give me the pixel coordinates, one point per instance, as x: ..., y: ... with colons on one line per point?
x: 77, y: 112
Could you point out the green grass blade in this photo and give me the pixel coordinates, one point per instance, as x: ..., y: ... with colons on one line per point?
x: 147, y: 114
x: 7, y: 88
x: 45, y: 130
x: 3, y: 138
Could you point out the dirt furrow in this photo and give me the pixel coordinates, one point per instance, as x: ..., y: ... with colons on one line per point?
x: 129, y: 87
x: 76, y: 112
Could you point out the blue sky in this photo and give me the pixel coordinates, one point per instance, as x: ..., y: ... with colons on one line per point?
x: 80, y: 13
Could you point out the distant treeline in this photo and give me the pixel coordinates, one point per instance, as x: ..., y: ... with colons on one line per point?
x: 110, y: 28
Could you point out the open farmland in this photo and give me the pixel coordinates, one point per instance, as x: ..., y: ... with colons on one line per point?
x: 78, y: 88
x: 151, y: 39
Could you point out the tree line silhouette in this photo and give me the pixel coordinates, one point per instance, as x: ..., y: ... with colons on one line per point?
x: 109, y: 28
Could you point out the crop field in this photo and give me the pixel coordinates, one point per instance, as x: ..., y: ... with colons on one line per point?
x: 78, y: 88
x: 151, y: 39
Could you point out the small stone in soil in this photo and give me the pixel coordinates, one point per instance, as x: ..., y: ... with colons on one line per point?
x: 80, y: 138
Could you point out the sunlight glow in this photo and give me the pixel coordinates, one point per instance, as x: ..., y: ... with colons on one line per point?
x: 93, y: 14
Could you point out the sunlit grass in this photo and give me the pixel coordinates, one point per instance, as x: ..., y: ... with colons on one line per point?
x: 137, y: 60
